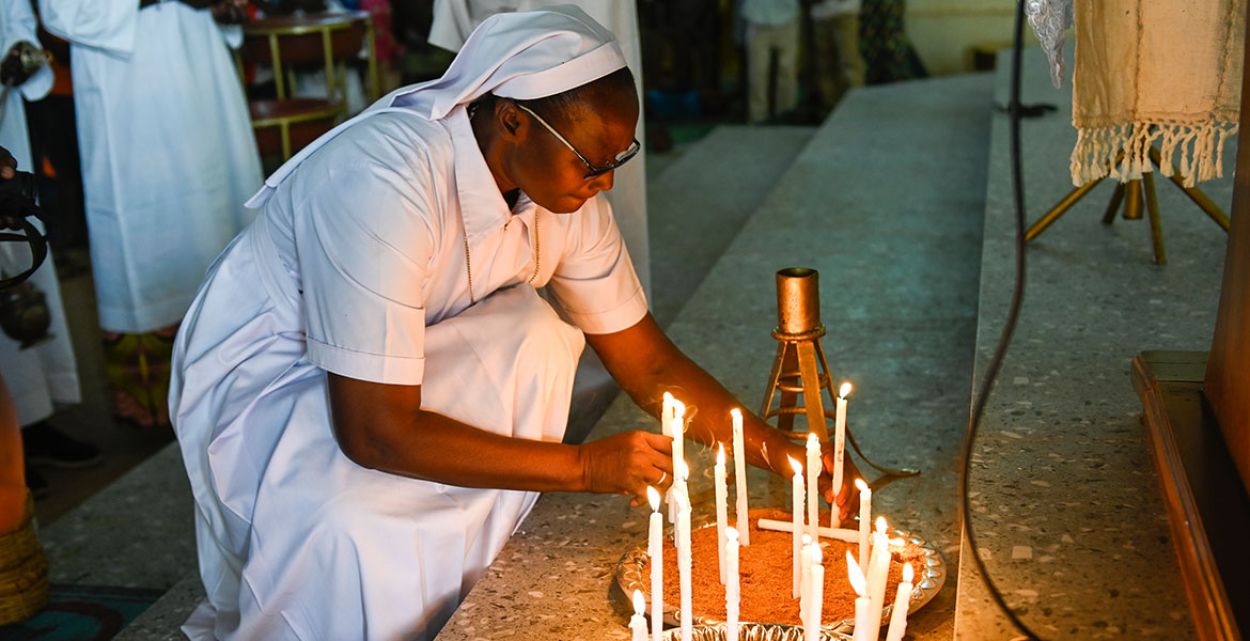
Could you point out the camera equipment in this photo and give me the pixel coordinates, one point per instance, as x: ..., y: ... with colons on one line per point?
x: 24, y: 313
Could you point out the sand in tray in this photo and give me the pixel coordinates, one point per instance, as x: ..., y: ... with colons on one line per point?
x: 766, y: 575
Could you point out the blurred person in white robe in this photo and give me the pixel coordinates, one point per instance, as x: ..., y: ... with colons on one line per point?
x: 168, y: 158
x: 44, y: 374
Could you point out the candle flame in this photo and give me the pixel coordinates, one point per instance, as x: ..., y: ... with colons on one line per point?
x: 682, y: 470
x: 736, y: 414
x: 720, y: 455
x: 845, y: 390
x: 731, y: 535
x: 653, y: 497
x: 856, y: 575
x: 795, y: 465
x: 882, y: 526
x: 813, y: 442
x: 668, y: 397
x: 908, y: 573
x: 640, y: 604
x: 807, y: 539
x: 861, y: 485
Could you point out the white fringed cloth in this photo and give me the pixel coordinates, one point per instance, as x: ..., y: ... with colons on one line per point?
x: 1155, y: 72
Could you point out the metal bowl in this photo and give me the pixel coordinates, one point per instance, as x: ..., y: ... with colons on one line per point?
x: 751, y: 632
x: 631, y: 575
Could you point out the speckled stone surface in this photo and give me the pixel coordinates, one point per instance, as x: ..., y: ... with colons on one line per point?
x: 1065, y: 498
x: 138, y: 532
x: 701, y: 201
x: 162, y: 621
x: 887, y: 202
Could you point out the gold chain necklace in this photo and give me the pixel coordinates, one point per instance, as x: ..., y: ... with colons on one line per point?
x: 468, y: 258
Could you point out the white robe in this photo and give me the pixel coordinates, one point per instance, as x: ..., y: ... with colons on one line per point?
x: 168, y: 156
x: 358, y: 266
x: 44, y: 373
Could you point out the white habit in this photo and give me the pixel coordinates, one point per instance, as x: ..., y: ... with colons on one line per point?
x: 167, y: 150
x: 454, y: 20
x: 357, y: 266
x: 43, y: 373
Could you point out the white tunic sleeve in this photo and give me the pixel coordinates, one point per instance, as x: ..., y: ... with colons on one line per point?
x: 19, y: 25
x: 595, y: 281
x: 103, y: 24
x: 364, y: 238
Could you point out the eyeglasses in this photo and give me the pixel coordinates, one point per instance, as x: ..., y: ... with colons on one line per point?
x: 592, y: 170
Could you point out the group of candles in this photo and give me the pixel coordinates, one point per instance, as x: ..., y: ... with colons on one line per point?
x: 868, y: 576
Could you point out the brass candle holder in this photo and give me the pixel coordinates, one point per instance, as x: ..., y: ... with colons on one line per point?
x: 801, y: 369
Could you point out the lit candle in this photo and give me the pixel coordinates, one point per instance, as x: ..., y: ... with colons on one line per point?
x: 733, y: 595
x: 839, y: 452
x: 678, y: 427
x: 863, y: 632
x: 722, y: 508
x: 902, y: 601
x: 638, y: 622
x: 655, y: 549
x: 815, y: 597
x: 666, y: 415
x: 683, y: 557
x: 813, y: 477
x: 878, y: 572
x: 797, y: 518
x: 740, y: 477
x: 865, y: 520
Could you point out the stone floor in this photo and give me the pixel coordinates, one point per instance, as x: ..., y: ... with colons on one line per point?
x: 1065, y: 498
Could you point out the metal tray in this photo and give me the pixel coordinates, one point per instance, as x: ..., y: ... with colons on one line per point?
x: 631, y: 575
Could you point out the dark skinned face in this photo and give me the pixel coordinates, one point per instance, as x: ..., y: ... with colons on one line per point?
x: 522, y: 154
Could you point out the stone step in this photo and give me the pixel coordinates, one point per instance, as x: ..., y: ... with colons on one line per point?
x: 1065, y: 505
x: 700, y: 202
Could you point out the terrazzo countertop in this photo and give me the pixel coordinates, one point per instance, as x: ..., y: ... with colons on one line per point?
x: 1066, y: 502
x: 899, y: 271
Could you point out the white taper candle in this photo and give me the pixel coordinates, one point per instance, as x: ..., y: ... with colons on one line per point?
x: 722, y: 509
x: 863, y: 631
x: 655, y: 549
x: 813, y: 479
x: 796, y: 491
x: 878, y: 572
x: 740, y: 478
x: 638, y: 622
x: 839, y: 453
x: 733, y: 594
x: 865, y: 520
x: 902, y: 601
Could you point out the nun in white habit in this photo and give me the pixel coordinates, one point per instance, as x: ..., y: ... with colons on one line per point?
x: 368, y: 392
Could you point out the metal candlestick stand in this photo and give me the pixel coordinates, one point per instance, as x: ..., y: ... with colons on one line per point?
x: 801, y: 369
x: 1130, y: 194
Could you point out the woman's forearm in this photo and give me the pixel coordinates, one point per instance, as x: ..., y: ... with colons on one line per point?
x: 384, y: 427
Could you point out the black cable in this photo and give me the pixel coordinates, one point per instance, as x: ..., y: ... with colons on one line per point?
x: 1013, y: 315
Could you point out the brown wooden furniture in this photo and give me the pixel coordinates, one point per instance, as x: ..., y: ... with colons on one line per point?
x: 1197, y: 413
x: 287, y: 44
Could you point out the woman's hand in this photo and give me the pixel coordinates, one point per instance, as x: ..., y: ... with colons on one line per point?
x: 627, y: 463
